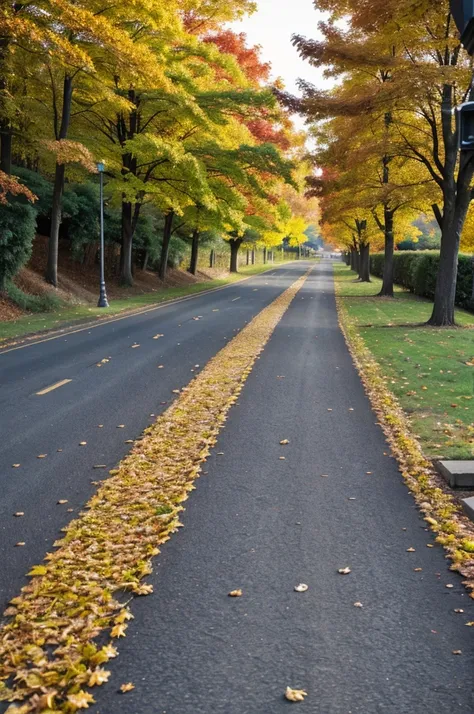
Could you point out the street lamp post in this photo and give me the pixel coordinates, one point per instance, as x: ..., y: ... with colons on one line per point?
x: 103, y: 302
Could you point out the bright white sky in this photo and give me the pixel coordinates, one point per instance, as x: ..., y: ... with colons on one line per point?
x: 272, y: 27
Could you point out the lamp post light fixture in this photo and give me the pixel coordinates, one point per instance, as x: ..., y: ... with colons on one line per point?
x: 103, y: 302
x: 463, y: 14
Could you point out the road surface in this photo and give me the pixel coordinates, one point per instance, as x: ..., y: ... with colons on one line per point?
x: 254, y: 522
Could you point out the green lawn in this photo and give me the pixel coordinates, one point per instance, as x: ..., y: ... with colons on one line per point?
x: 425, y: 367
x: 71, y: 314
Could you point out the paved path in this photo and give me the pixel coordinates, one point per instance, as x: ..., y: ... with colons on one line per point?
x: 264, y: 525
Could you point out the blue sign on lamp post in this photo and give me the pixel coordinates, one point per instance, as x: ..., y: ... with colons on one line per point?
x: 103, y: 302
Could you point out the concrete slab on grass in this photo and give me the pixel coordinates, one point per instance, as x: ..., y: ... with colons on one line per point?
x: 468, y: 506
x: 459, y: 474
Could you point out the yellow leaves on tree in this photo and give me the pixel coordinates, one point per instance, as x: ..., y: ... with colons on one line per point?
x: 69, y: 152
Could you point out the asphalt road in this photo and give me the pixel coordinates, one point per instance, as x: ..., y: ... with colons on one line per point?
x: 254, y: 522
x: 265, y: 525
x: 129, y: 390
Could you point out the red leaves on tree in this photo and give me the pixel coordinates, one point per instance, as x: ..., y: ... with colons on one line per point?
x: 233, y: 43
x: 265, y: 132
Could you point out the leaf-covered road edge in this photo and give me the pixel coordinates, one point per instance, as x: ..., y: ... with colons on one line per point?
x: 442, y: 513
x: 48, y: 650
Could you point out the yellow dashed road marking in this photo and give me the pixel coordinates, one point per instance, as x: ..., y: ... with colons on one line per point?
x: 53, y: 386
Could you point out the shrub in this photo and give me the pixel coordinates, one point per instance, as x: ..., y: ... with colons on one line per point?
x: 32, y: 303
x: 417, y: 271
x: 17, y: 230
x: 81, y: 207
x: 376, y: 264
x: 41, y: 187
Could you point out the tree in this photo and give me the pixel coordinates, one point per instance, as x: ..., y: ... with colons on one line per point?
x: 99, y: 40
x: 426, y: 75
x: 348, y: 222
x: 174, y: 104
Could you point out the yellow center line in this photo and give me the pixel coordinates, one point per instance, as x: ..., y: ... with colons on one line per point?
x: 53, y: 386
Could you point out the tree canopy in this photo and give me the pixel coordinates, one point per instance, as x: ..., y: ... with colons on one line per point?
x: 177, y: 105
x: 387, y: 128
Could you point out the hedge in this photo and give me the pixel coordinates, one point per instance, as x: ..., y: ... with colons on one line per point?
x: 417, y: 271
x: 17, y: 230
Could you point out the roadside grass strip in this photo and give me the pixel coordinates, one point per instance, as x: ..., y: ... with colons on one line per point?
x: 49, y: 650
x: 441, y: 512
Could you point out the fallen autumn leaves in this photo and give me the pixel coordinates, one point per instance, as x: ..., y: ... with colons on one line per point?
x: 454, y: 531
x: 47, y: 650
x: 295, y: 695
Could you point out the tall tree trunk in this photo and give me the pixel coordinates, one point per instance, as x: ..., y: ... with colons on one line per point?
x: 235, y: 244
x: 126, y: 277
x: 445, y: 292
x: 6, y: 146
x: 51, y: 274
x: 212, y: 258
x: 5, y: 124
x: 264, y: 255
x: 472, y: 294
x: 364, y: 268
x: 355, y: 260
x: 145, y: 260
x: 194, y: 252
x: 387, y: 282
x: 253, y: 257
x: 248, y: 257
x: 165, y: 246
x: 457, y: 198
x: 126, y: 127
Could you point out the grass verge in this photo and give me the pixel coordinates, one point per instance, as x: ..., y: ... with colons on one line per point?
x: 429, y: 370
x: 442, y: 513
x: 49, y: 652
x: 65, y: 315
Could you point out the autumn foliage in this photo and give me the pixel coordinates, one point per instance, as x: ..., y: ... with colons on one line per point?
x: 178, y: 106
x: 387, y: 138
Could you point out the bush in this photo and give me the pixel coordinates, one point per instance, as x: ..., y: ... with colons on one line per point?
x: 417, y: 271
x: 17, y: 230
x: 32, y: 303
x: 81, y: 206
x: 41, y: 187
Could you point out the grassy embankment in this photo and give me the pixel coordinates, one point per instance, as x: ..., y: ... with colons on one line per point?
x: 430, y: 371
x: 68, y: 314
